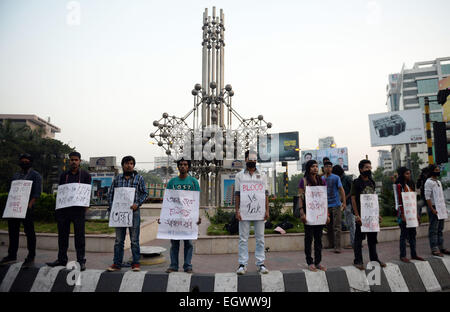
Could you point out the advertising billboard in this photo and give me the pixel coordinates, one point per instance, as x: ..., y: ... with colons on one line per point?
x: 399, y: 127
x: 338, y: 156
x: 228, y: 190
x: 279, y: 147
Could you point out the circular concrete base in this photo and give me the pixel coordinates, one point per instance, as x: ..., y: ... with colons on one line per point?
x: 152, y: 260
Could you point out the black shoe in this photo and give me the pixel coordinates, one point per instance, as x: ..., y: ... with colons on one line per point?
x: 82, y: 266
x: 8, y: 260
x: 56, y: 263
x: 28, y: 262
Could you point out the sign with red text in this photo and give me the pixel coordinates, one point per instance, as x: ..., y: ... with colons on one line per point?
x: 316, y: 205
x: 121, y: 213
x: 73, y: 195
x: 410, y: 208
x: 252, y: 205
x: 370, y: 213
x: 179, y: 215
x: 18, y: 198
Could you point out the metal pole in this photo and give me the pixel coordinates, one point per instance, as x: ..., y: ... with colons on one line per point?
x: 428, y: 127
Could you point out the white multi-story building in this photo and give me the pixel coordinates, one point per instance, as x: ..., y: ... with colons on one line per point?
x: 407, y: 90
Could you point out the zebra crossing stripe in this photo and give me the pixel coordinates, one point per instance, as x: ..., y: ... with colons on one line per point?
x: 10, y: 276
x: 357, y: 279
x: 45, y: 279
x: 88, y: 281
x: 272, y: 282
x: 225, y: 282
x: 316, y: 281
x: 132, y: 281
x: 395, y: 278
x: 427, y: 275
x: 179, y: 282
x: 446, y: 261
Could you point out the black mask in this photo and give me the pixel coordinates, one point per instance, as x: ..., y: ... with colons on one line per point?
x: 25, y: 166
x: 367, y: 173
x: 436, y: 174
x: 251, y: 164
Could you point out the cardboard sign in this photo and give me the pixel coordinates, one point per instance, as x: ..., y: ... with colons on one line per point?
x: 316, y: 205
x: 252, y: 204
x: 179, y: 215
x: 121, y: 213
x: 441, y: 207
x: 18, y: 199
x: 73, y: 194
x: 410, y: 209
x: 370, y: 213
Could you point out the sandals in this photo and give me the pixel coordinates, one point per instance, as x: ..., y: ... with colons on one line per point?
x: 437, y: 253
x: 321, y: 267
x: 312, y: 267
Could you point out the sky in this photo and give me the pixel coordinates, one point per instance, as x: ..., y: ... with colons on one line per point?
x: 104, y: 70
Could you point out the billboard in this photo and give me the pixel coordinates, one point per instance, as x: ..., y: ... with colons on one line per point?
x: 280, y: 147
x: 399, y: 127
x: 445, y: 84
x: 228, y: 190
x: 101, y: 183
x: 338, y: 156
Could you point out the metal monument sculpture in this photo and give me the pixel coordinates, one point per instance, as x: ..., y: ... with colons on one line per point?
x: 209, y: 138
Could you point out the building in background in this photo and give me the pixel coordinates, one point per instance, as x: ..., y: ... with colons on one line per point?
x: 327, y: 142
x: 34, y: 122
x: 385, y: 160
x: 407, y: 90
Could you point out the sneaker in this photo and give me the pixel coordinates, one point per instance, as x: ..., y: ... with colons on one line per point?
x: 82, y: 266
x: 135, y: 267
x: 28, y: 262
x: 241, y: 270
x: 418, y: 258
x: 188, y: 270
x: 56, y: 263
x: 170, y: 270
x: 8, y: 260
x: 359, y: 266
x: 404, y: 259
x: 262, y: 269
x: 114, y: 268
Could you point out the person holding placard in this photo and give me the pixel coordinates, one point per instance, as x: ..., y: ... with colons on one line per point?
x: 313, y: 231
x: 128, y: 179
x: 252, y: 204
x: 364, y: 184
x: 26, y: 174
x: 183, y: 182
x: 72, y: 214
x: 437, y: 211
x: 407, y: 211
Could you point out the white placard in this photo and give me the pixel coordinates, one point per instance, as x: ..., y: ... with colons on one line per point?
x: 316, y: 201
x: 399, y: 127
x: 370, y: 213
x: 18, y: 199
x: 73, y: 194
x: 410, y: 209
x: 121, y: 213
x: 179, y: 215
x: 441, y: 207
x: 252, y: 205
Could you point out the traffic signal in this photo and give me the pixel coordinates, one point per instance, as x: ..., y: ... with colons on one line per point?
x: 440, y: 142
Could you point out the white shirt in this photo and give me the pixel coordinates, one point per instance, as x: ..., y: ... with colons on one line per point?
x: 432, y: 189
x: 245, y: 176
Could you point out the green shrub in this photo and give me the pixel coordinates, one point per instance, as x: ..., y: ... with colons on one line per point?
x: 3, y: 199
x: 44, y: 209
x: 221, y: 216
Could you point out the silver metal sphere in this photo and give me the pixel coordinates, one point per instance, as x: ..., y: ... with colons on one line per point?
x: 212, y: 85
x: 160, y: 143
x: 168, y: 152
x: 194, y: 92
x: 152, y: 135
x: 160, y: 126
x: 156, y: 123
x: 260, y: 117
x: 231, y: 93
x: 198, y: 87
x: 228, y: 87
x: 165, y: 115
x: 269, y: 125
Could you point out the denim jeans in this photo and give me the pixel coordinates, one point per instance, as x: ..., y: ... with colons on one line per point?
x: 175, y: 250
x: 134, y: 238
x: 244, y: 231
x: 410, y: 235
x: 313, y: 232
x: 435, y: 231
x: 334, y: 228
x: 350, y: 222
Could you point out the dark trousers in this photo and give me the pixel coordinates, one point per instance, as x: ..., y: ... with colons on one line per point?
x: 64, y: 217
x: 313, y: 232
x: 371, y: 242
x: 14, y: 231
x: 410, y: 235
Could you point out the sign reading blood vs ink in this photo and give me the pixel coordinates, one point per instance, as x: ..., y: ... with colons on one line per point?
x: 179, y: 215
x: 18, y: 198
x: 73, y: 194
x: 121, y: 213
x: 316, y: 205
x: 252, y: 204
x: 410, y: 208
x: 370, y: 213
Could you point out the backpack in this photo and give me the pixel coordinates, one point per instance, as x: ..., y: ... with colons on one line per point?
x: 233, y: 226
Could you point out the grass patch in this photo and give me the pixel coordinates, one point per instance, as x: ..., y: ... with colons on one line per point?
x: 91, y: 227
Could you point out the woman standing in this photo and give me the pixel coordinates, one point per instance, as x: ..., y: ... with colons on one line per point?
x: 312, y: 232
x: 404, y: 183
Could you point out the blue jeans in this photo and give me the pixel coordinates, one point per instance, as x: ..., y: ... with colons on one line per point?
x: 174, y: 251
x: 134, y: 237
x: 435, y: 231
x: 350, y: 222
x: 244, y: 231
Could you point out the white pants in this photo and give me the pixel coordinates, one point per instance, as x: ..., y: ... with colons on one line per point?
x: 244, y: 231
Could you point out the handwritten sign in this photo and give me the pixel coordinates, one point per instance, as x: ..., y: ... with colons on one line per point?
x: 370, y: 213
x: 18, y: 198
x: 410, y: 209
x: 121, y: 213
x: 179, y: 215
x: 316, y: 200
x: 73, y: 194
x: 252, y: 204
x: 441, y: 207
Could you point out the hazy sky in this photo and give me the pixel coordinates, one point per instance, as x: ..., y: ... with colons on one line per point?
x: 317, y: 67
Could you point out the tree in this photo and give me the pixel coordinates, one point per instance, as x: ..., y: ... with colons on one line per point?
x: 150, y: 177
